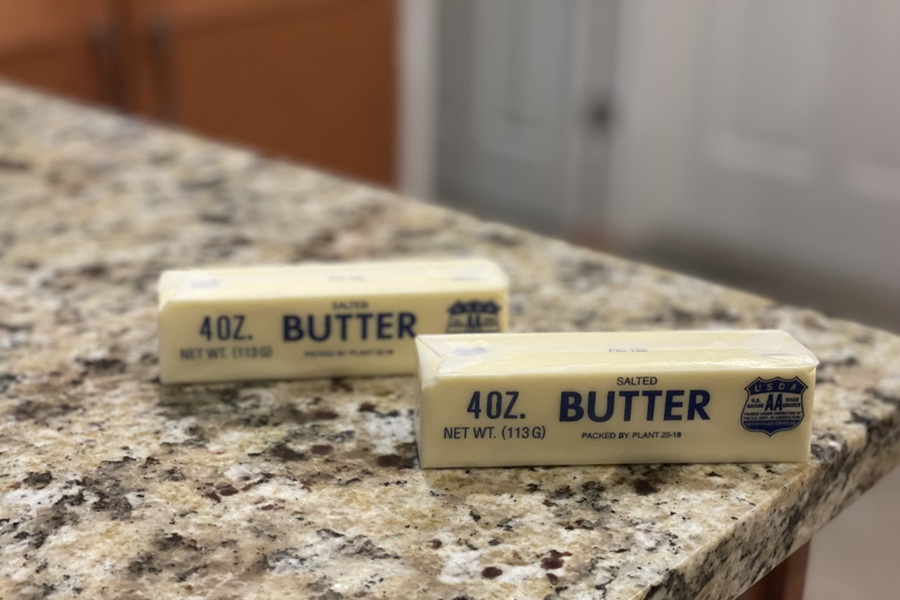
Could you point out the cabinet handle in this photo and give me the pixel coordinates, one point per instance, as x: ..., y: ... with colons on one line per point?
x: 162, y: 54
x: 104, y: 38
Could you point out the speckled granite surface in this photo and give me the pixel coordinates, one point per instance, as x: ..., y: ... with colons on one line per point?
x: 113, y: 486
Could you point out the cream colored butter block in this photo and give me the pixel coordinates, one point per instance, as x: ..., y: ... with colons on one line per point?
x: 319, y: 320
x: 613, y: 398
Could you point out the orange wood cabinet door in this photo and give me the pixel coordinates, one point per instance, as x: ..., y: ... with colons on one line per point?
x: 313, y: 80
x: 66, y: 47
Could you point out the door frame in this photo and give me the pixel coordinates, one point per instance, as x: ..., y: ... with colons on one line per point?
x: 417, y: 61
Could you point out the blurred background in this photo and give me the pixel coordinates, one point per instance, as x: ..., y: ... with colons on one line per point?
x: 756, y: 143
x: 752, y: 142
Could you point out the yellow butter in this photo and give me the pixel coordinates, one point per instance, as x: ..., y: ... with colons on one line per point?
x: 613, y: 398
x: 319, y: 320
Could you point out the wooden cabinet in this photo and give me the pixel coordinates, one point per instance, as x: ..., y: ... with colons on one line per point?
x: 312, y: 80
x: 62, y: 46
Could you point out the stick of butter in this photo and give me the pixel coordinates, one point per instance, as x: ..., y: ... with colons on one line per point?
x: 319, y: 320
x: 613, y: 398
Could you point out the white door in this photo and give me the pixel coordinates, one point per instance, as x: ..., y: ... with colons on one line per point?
x: 515, y: 87
x: 767, y: 130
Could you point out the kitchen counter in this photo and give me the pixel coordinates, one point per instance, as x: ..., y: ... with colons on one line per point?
x: 115, y: 486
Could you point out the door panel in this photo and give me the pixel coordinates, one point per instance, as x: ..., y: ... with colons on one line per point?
x: 777, y: 143
x: 505, y: 106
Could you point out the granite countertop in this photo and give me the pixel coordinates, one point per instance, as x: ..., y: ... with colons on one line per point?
x: 112, y: 485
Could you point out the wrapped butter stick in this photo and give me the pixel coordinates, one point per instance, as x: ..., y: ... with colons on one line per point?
x: 319, y: 320
x: 613, y: 398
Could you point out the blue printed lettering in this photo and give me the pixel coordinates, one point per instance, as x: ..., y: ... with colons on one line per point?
x: 342, y: 318
x: 292, y: 331
x: 326, y: 329
x: 697, y: 401
x: 592, y: 408
x: 384, y: 324
x: 651, y: 396
x: 364, y: 325
x: 672, y: 404
x: 405, y: 324
x: 571, y: 409
x: 348, y: 326
x: 628, y: 395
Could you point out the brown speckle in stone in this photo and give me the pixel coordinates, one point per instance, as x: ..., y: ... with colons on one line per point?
x: 435, y: 544
x: 118, y: 464
x: 682, y: 317
x: 209, y: 217
x: 554, y: 560
x: 170, y: 541
x: 506, y: 524
x: 325, y: 415
x: 143, y: 564
x: 321, y: 449
x: 111, y: 497
x: 264, y: 477
x: 38, y: 480
x: 6, y: 380
x: 328, y: 533
x: 201, y: 183
x: 285, y: 452
x: 503, y: 237
x: 394, y: 461
x: 495, y: 542
x: 340, y: 385
x: 849, y: 361
x: 14, y: 164
x: 94, y: 270
x: 592, y: 489
x: 72, y: 499
x: 197, y: 436
x: 643, y: 487
x: 368, y: 407
x: 102, y: 366
x: 41, y: 411
x: 551, y: 563
x: 563, y: 493
x: 491, y: 572
x: 173, y: 474
x: 363, y: 546
x: 184, y: 575
x: 341, y: 436
x: 227, y: 490
x: 724, y: 314
x: 553, y: 579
